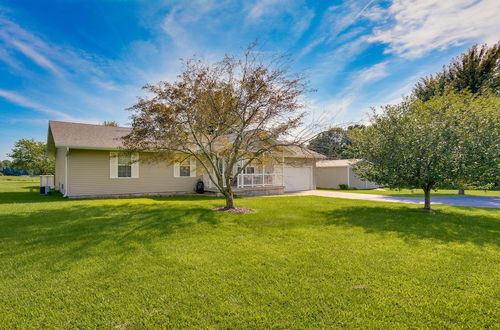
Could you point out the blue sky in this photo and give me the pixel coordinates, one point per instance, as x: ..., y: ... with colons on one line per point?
x: 86, y: 61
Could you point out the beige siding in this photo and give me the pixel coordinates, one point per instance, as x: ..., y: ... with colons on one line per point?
x: 60, y: 168
x: 89, y: 176
x: 357, y: 182
x: 331, y: 177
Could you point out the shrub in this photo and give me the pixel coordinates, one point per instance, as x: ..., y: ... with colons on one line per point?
x: 343, y: 186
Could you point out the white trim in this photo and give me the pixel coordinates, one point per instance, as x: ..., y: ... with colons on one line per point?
x: 177, y: 170
x: 348, y: 180
x: 282, y: 168
x: 135, y: 165
x: 113, y: 165
x: 192, y: 168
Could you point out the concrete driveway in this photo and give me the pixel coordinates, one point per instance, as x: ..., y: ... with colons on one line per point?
x: 456, y: 200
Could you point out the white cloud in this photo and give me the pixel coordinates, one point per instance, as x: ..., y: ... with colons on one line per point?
x: 263, y: 7
x: 26, y: 43
x: 376, y: 14
x: 74, y: 76
x: 353, y: 91
x: 333, y: 62
x: 62, y: 62
x: 365, y: 76
x: 22, y: 101
x: 180, y: 17
x: 35, y: 56
x: 8, y: 59
x: 420, y: 26
x: 303, y: 21
x: 337, y: 19
x: 272, y: 12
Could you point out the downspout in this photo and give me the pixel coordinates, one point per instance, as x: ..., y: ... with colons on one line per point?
x: 66, y: 172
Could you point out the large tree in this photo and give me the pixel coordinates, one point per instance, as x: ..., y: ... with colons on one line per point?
x: 335, y: 142
x: 239, y: 110
x: 31, y: 156
x: 476, y: 71
x: 432, y: 144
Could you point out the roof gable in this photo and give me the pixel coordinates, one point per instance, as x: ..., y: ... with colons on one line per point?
x: 76, y: 135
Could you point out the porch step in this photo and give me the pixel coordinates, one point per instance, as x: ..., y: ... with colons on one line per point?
x: 252, y: 191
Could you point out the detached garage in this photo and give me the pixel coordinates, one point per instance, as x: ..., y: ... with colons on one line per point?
x: 332, y: 173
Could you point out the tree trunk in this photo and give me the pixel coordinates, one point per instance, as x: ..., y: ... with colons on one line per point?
x: 427, y: 200
x: 461, y: 191
x: 229, y: 193
x: 229, y: 200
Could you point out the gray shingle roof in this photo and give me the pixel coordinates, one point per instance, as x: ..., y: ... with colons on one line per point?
x: 301, y: 152
x: 336, y: 163
x: 89, y: 136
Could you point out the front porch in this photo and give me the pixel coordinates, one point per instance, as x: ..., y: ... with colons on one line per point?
x: 253, y: 184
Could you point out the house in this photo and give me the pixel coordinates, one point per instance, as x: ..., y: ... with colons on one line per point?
x: 333, y: 173
x: 89, y: 164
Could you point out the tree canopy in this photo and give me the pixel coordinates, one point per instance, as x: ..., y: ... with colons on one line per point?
x: 110, y: 123
x: 431, y: 144
x: 235, y: 111
x: 477, y: 71
x: 335, y: 142
x: 31, y: 156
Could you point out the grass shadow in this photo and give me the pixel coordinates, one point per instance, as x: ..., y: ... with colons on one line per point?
x: 79, y: 231
x: 29, y: 197
x: 413, y: 224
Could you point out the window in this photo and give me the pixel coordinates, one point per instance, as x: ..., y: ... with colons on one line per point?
x: 124, y: 166
x: 248, y: 170
x: 185, y: 169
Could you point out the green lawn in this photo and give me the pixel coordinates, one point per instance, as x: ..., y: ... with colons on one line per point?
x: 419, y: 193
x: 297, y: 262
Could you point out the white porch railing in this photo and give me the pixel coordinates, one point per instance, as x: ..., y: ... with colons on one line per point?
x: 252, y: 180
x: 258, y: 180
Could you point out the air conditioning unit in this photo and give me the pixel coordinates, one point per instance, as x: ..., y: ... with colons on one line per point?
x: 44, y: 190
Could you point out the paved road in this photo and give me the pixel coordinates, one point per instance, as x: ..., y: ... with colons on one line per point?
x: 457, y: 200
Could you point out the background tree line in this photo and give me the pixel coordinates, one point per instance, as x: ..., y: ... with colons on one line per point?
x: 29, y: 157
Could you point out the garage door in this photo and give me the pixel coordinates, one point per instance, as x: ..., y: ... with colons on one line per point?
x: 298, y: 178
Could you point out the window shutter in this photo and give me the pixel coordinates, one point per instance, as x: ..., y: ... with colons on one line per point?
x: 113, y: 165
x: 177, y: 171
x: 192, y: 168
x: 135, y: 165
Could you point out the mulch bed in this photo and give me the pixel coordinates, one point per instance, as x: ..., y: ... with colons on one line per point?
x: 233, y: 210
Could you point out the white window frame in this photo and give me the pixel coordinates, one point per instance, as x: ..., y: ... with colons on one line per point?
x: 113, y: 166
x: 240, y: 165
x: 192, y: 169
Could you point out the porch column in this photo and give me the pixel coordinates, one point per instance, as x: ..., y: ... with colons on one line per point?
x: 283, y: 168
x: 263, y: 174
